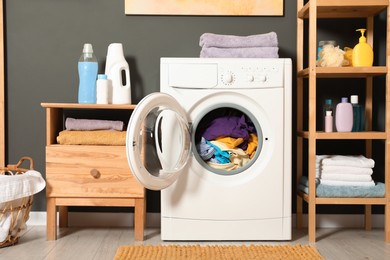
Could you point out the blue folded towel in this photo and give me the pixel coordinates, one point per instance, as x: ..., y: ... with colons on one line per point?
x: 377, y: 191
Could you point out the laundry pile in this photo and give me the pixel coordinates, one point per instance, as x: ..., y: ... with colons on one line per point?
x: 92, y: 132
x: 232, y: 46
x: 340, y: 170
x: 228, y: 142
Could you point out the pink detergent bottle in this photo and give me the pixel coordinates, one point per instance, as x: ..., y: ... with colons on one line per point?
x: 344, y: 116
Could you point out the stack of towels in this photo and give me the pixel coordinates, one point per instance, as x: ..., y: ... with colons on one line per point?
x: 92, y: 132
x: 340, y: 170
x: 232, y: 46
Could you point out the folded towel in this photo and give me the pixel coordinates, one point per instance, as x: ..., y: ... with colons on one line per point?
x: 99, y: 137
x: 250, y: 52
x: 92, y: 124
x: 233, y: 41
x: 330, y: 169
x: 377, y: 191
x: 349, y: 160
x: 348, y: 183
x: 346, y: 177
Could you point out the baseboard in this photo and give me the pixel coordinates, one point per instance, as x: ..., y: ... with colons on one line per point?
x: 99, y: 219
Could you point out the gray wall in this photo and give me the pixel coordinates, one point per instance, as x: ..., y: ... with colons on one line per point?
x: 44, y: 40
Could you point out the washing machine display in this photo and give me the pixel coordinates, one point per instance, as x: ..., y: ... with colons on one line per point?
x: 167, y: 148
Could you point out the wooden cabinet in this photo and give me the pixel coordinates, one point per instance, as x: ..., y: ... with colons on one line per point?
x: 311, y: 11
x: 87, y: 175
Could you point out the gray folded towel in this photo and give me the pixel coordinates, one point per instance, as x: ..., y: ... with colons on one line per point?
x: 253, y: 52
x: 232, y: 41
x: 92, y: 124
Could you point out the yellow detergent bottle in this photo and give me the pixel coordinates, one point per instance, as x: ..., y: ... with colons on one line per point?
x: 362, y: 54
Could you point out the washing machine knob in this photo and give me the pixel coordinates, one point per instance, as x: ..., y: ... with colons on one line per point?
x: 227, y: 78
x: 263, y: 78
x: 251, y: 78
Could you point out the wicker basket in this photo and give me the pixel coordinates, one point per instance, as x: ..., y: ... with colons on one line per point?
x: 18, y: 209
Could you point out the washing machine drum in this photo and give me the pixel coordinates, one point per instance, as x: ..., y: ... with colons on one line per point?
x: 159, y: 142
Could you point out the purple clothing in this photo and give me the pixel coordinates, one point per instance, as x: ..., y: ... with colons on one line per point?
x: 233, y: 126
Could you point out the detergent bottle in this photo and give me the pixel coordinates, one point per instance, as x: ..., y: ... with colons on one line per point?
x: 87, y: 69
x: 362, y: 54
x: 118, y: 74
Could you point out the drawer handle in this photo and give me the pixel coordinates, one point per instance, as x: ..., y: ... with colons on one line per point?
x: 95, y: 173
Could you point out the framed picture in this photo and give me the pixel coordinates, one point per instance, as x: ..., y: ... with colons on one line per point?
x: 205, y: 7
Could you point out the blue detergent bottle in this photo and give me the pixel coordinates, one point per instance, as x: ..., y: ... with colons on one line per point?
x: 88, y: 69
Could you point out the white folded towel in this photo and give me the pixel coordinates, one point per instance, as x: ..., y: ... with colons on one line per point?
x: 331, y: 169
x: 349, y: 160
x: 348, y: 183
x: 346, y: 177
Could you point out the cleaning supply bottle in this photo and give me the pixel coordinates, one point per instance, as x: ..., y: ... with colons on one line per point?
x: 87, y: 69
x: 328, y: 106
x: 362, y: 54
x: 358, y: 114
x: 344, y: 116
x: 117, y: 70
x: 328, y: 121
x: 102, y: 90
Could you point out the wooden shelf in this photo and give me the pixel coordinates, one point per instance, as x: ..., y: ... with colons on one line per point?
x: 345, y: 72
x: 87, y: 106
x: 370, y: 135
x: 344, y: 201
x: 345, y: 8
x: 312, y: 11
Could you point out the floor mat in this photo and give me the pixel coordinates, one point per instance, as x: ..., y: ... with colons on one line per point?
x: 218, y: 252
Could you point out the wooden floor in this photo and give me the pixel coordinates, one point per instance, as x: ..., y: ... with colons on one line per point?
x: 101, y: 243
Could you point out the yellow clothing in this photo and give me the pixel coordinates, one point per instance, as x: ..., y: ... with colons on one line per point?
x: 252, y: 145
x: 230, y: 142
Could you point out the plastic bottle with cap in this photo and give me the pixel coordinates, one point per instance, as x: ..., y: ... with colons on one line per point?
x: 103, y: 91
x: 328, y: 106
x: 362, y: 54
x: 358, y: 114
x: 329, y: 122
x: 87, y: 69
x: 344, y: 116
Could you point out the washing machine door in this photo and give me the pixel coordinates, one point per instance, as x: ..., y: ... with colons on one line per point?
x: 158, y: 141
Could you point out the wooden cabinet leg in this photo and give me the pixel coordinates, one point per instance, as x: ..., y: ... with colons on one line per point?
x: 63, y: 212
x: 139, y: 219
x: 387, y: 223
x: 299, y: 212
x: 367, y: 217
x: 51, y: 219
x: 312, y: 222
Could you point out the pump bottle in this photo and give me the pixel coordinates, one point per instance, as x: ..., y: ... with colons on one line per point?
x: 362, y: 54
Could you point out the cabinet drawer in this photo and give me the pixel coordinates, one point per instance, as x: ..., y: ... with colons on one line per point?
x: 68, y: 172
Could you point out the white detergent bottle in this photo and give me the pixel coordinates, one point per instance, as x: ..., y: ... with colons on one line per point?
x: 118, y: 73
x: 344, y: 116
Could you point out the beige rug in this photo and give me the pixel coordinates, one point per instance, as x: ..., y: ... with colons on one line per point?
x: 197, y: 252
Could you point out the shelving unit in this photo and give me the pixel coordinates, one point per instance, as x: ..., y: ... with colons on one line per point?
x: 87, y: 175
x: 312, y: 10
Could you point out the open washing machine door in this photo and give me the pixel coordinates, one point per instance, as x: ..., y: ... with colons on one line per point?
x: 158, y: 141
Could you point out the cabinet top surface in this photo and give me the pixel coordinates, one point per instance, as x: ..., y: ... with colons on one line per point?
x: 88, y: 106
x: 344, y: 8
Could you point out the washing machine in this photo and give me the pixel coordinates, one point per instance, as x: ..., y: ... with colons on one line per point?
x: 174, y: 140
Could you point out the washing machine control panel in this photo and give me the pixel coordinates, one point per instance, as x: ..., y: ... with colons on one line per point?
x: 256, y: 75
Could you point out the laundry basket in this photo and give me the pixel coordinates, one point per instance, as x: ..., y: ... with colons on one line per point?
x: 17, y: 187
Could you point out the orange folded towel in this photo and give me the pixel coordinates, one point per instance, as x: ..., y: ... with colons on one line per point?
x: 101, y: 137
